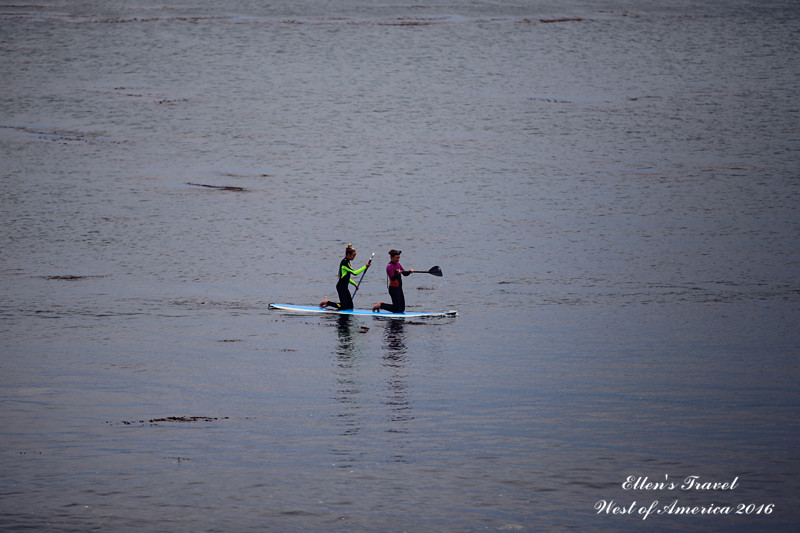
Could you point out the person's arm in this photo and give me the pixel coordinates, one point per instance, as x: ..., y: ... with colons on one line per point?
x: 355, y: 272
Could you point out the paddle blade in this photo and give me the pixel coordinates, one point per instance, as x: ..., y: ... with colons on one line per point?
x: 436, y: 271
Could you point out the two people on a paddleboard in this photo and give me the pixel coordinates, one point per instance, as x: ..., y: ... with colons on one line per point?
x: 394, y: 273
x: 343, y: 285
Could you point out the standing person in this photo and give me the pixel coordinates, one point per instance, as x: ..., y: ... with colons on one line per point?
x: 343, y: 285
x: 395, y: 273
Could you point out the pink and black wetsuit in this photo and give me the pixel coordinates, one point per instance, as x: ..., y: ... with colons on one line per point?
x: 395, y: 273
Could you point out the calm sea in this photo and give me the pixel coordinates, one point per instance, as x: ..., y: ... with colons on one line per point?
x: 612, y: 190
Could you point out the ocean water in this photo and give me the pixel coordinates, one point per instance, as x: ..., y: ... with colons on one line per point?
x: 610, y: 188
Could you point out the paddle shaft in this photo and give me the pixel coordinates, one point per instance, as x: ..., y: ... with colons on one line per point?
x: 363, y: 274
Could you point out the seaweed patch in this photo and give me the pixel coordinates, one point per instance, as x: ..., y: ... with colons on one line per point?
x: 70, y: 277
x: 218, y: 187
x: 550, y: 21
x: 168, y: 420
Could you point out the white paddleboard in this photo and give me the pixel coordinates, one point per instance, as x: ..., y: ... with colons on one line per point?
x: 365, y: 312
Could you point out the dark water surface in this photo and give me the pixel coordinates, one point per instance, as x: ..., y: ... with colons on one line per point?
x: 611, y: 190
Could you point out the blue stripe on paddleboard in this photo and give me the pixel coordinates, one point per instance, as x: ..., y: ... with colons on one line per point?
x: 313, y: 309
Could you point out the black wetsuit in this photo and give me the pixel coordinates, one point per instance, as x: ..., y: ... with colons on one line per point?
x: 343, y: 285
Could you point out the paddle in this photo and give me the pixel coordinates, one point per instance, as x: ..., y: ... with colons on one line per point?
x: 364, y: 274
x: 436, y: 271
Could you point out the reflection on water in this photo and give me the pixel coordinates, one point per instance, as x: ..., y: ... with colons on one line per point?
x: 348, y: 390
x: 346, y: 344
x: 371, y: 391
x: 394, y: 361
x: 393, y: 338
